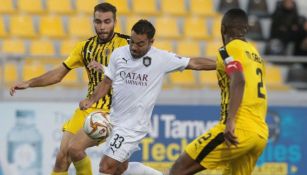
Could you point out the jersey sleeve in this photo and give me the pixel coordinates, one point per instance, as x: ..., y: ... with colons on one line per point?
x: 234, y: 53
x: 74, y: 60
x: 111, y: 69
x: 174, y: 62
x: 232, y: 58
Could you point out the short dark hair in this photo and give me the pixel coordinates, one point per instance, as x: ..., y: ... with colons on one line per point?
x: 143, y: 26
x: 105, y: 7
x: 235, y: 16
x: 235, y: 22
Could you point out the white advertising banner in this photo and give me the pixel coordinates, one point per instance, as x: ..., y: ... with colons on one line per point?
x: 30, y: 137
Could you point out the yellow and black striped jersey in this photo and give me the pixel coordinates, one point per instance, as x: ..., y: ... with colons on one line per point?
x: 92, y: 49
x: 252, y: 111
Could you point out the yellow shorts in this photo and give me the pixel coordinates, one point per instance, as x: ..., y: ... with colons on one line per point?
x: 75, y: 123
x: 211, y: 151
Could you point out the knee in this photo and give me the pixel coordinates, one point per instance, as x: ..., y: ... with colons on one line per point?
x: 122, y: 168
x: 75, y: 152
x: 106, y: 168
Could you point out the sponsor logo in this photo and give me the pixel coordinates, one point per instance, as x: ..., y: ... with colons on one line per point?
x: 125, y: 60
x: 147, y: 61
x: 134, y: 78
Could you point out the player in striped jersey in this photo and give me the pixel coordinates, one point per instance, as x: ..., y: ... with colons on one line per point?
x: 236, y: 143
x: 92, y: 54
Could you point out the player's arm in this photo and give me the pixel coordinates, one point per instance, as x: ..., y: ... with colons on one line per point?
x: 201, y: 63
x: 51, y: 77
x: 100, y: 91
x: 94, y: 65
x: 236, y: 91
x: 104, y: 86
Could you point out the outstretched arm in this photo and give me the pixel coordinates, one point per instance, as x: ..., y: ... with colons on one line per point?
x: 51, y: 77
x: 201, y: 63
x: 100, y: 91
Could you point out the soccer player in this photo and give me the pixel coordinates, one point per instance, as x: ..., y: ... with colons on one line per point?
x: 135, y: 74
x: 91, y: 54
x: 238, y: 140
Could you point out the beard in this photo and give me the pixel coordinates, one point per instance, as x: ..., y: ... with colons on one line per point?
x: 105, y: 37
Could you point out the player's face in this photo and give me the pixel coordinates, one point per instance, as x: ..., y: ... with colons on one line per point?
x: 104, y: 25
x: 139, y: 44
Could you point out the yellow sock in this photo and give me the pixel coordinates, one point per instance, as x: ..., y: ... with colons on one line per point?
x: 59, y: 173
x: 83, y: 167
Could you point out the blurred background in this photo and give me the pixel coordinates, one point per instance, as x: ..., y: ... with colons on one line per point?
x: 37, y: 35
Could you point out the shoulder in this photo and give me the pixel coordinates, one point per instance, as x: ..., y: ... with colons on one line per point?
x: 93, y: 38
x: 121, y: 50
x: 122, y: 36
x: 79, y: 46
x: 85, y: 42
x: 165, y: 56
x: 82, y: 43
x: 156, y: 51
x: 235, y: 45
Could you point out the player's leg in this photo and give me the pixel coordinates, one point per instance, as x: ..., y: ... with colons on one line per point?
x: 70, y: 128
x: 185, y: 165
x: 79, y: 144
x: 108, y: 165
x: 121, y: 144
x: 137, y: 168
x: 245, y: 164
x: 122, y: 168
x: 227, y: 170
x: 62, y: 159
x: 205, y: 152
x: 76, y: 150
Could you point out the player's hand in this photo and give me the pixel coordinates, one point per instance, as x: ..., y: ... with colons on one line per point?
x: 94, y: 65
x: 85, y: 104
x: 229, y: 133
x: 18, y: 86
